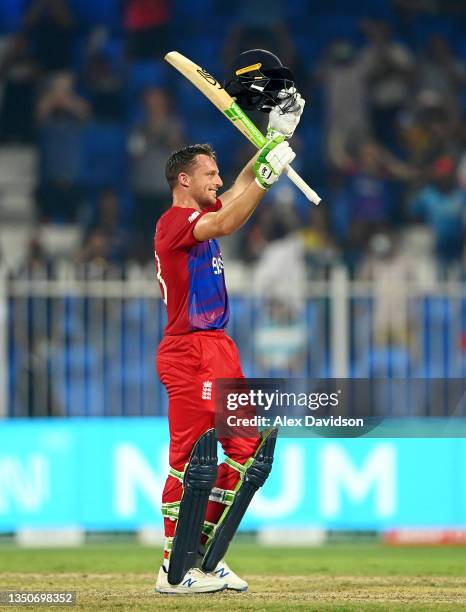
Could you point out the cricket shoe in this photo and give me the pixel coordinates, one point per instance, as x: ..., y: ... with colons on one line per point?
x: 194, y: 581
x: 225, y: 574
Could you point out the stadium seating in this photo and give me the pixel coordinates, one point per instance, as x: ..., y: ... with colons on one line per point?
x: 11, y: 15
x: 97, y: 12
x: 144, y: 74
x: 104, y: 160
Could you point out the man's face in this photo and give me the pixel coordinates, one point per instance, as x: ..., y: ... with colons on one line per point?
x: 204, y: 181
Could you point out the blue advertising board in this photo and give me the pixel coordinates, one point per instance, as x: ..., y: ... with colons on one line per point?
x: 109, y: 473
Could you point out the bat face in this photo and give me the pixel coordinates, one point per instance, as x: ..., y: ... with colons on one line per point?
x: 214, y: 91
x: 201, y: 78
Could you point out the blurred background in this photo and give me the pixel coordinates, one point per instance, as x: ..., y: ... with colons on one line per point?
x: 369, y: 284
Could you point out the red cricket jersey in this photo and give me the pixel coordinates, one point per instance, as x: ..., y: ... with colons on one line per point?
x: 190, y: 273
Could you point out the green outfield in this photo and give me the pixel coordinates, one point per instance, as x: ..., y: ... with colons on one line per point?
x: 332, y: 577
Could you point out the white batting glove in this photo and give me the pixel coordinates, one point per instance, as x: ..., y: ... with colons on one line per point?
x: 274, y: 156
x: 284, y: 120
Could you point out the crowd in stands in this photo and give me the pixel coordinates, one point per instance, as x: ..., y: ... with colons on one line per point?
x: 382, y: 137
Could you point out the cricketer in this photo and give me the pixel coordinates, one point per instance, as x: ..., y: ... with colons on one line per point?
x: 202, y: 503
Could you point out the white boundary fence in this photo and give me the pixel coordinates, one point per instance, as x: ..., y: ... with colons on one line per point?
x: 84, y: 344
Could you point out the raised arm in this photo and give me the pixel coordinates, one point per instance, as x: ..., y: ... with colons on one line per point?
x: 283, y: 120
x: 242, y: 182
x: 248, y: 190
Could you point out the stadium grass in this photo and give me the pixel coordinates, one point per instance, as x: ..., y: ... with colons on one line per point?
x: 345, y: 577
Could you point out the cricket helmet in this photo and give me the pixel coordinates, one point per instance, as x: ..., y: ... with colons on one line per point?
x: 258, y: 78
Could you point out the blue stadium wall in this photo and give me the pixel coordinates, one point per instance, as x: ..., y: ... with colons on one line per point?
x: 108, y: 475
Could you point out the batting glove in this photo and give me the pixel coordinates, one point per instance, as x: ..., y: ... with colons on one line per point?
x: 284, y: 120
x: 274, y: 156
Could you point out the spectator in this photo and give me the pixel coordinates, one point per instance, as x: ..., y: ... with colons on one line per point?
x: 61, y: 101
x: 390, y: 67
x: 390, y: 270
x: 442, y: 205
x: 104, y: 86
x: 36, y: 397
x: 441, y: 72
x: 365, y: 204
x: 147, y: 23
x: 97, y: 257
x: 96, y: 249
x: 60, y: 113
x: 280, y: 340
x: 270, y: 226
x: 429, y: 128
x: 280, y: 272
x: 320, y: 251
x: 255, y: 238
x: 19, y: 74
x: 150, y: 143
x: 36, y: 262
x: 51, y: 31
x: 107, y: 223
x: 343, y: 77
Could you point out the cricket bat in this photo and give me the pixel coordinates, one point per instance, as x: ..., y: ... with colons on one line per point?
x: 214, y: 91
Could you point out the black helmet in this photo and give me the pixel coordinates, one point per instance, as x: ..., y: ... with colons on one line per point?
x: 258, y: 78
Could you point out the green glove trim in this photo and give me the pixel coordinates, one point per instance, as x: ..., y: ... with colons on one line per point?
x: 265, y: 176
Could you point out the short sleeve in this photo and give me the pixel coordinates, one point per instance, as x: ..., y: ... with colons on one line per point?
x: 176, y: 230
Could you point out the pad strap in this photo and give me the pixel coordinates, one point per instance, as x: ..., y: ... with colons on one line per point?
x: 239, y: 467
x: 171, y: 510
x: 176, y: 474
x: 168, y: 545
x: 208, y: 528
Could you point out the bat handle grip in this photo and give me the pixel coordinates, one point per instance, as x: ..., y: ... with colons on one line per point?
x: 294, y: 177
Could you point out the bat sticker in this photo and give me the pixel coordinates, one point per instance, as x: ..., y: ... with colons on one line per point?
x: 209, y: 78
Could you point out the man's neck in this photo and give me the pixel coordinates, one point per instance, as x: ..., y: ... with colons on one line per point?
x: 184, y: 200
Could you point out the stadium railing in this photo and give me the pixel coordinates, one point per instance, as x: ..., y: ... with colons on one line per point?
x: 82, y: 341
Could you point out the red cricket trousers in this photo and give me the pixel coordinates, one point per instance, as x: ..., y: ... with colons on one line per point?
x: 185, y: 364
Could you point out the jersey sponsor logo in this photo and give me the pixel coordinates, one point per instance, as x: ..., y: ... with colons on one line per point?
x: 193, y: 216
x: 207, y: 390
x: 217, y: 264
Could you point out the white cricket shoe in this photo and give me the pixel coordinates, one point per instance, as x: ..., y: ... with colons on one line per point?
x: 224, y: 573
x: 194, y: 581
